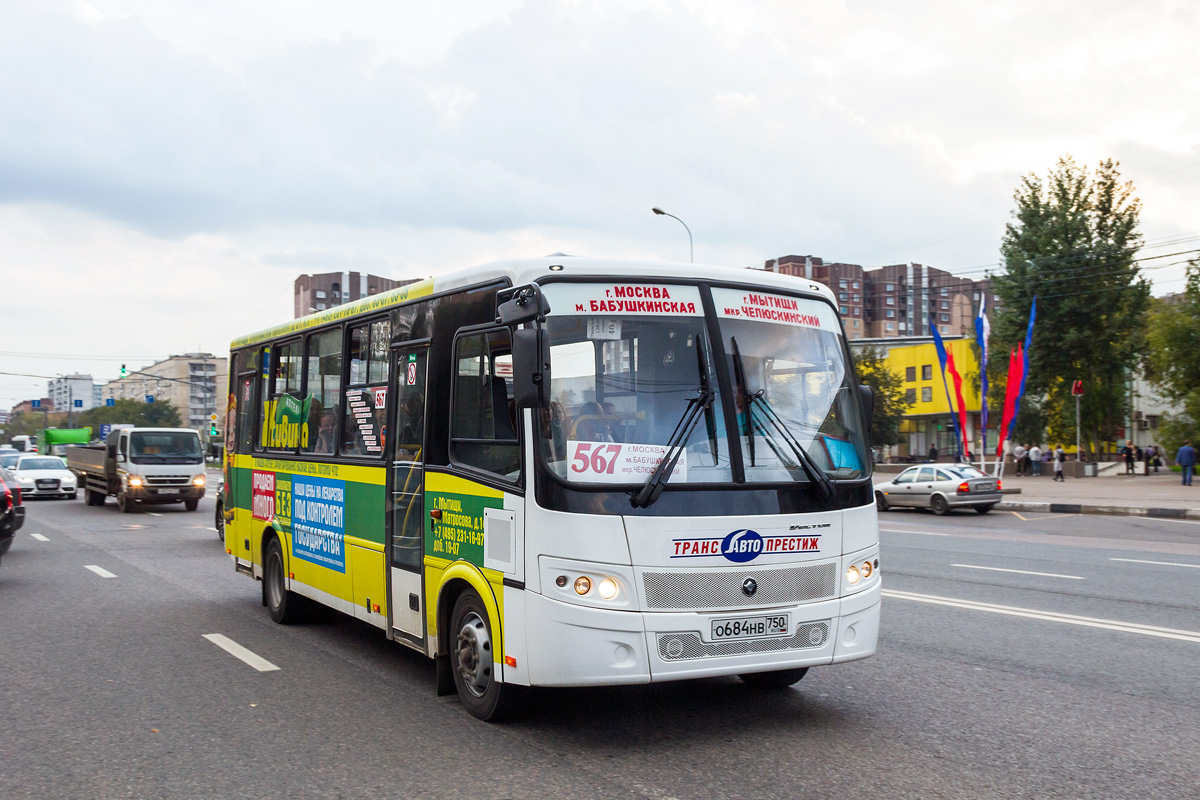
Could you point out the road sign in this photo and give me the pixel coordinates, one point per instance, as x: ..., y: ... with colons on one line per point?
x: 110, y: 401
x: 212, y: 418
x: 36, y: 403
x: 1077, y: 388
x: 79, y: 404
x: 149, y: 398
x: 105, y: 429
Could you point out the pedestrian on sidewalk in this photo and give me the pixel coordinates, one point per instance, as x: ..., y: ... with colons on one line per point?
x: 933, y: 452
x: 1186, y: 458
x: 1148, y: 457
x: 1059, y: 455
x: 1035, y: 460
x: 1130, y: 456
x: 1019, y: 458
x: 1159, y: 455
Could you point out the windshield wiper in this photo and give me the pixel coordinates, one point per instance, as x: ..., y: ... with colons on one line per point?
x: 755, y: 400
x: 657, y: 481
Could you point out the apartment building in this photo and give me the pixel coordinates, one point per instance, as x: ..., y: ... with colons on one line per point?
x: 324, y: 290
x: 74, y: 392
x: 896, y: 300
x: 194, y: 382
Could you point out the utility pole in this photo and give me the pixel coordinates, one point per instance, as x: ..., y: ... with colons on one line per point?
x: 1077, y: 390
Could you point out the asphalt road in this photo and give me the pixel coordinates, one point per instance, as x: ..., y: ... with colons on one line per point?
x: 1021, y: 656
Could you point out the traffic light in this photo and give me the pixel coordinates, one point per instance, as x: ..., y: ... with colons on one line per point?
x: 212, y: 424
x: 212, y: 431
x: 123, y: 371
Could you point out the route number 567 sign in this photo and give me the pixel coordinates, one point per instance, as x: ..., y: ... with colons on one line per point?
x: 608, y: 462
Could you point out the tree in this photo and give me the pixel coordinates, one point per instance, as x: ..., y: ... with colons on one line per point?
x: 161, y: 414
x: 1173, y: 360
x: 871, y: 366
x: 1072, y: 243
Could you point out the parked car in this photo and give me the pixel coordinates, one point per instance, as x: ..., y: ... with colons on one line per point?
x: 44, y: 476
x: 941, y: 488
x: 12, y: 513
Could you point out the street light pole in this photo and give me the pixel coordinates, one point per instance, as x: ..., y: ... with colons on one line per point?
x: 691, y: 253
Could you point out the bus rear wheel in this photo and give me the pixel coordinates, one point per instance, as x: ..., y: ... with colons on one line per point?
x: 285, y: 607
x: 472, y: 661
x: 779, y: 679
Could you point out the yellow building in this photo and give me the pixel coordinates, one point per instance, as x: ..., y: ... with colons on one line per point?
x: 929, y: 420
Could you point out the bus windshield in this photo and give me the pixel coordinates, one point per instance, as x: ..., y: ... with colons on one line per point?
x: 628, y: 361
x: 792, y: 387
x: 164, y: 447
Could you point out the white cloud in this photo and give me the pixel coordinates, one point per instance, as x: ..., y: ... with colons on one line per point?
x: 239, y: 142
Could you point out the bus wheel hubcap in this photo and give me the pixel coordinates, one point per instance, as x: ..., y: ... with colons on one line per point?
x: 474, y: 654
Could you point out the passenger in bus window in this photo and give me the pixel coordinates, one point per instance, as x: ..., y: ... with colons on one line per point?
x: 615, y: 428
x: 591, y: 426
x: 325, y: 433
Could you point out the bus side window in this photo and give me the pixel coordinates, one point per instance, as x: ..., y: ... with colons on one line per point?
x: 323, y: 379
x: 483, y: 419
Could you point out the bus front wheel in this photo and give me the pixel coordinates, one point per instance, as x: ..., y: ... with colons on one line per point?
x: 779, y: 679
x: 472, y: 661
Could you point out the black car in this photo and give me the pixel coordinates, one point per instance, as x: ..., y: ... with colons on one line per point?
x: 12, y: 513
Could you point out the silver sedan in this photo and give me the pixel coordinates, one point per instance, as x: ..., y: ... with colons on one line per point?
x: 940, y: 487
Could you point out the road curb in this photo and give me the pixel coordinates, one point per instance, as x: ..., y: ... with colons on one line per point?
x: 1080, y: 508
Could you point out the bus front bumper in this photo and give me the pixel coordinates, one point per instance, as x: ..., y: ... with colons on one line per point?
x: 586, y: 646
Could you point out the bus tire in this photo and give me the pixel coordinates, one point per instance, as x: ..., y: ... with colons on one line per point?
x: 192, y: 504
x: 285, y: 607
x: 881, y: 502
x: 778, y: 679
x: 473, y: 665
x: 125, y: 503
x: 939, y: 505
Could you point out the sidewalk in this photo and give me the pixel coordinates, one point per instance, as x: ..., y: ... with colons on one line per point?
x: 1160, y: 495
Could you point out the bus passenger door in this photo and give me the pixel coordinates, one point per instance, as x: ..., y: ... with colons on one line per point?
x: 406, y: 517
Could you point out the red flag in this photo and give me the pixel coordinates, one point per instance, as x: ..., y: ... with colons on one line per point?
x: 962, y: 407
x: 1016, y: 367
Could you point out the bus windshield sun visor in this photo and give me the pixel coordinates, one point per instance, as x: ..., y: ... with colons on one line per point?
x: 657, y: 481
x: 756, y: 402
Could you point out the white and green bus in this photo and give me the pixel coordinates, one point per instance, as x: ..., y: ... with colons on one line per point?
x: 565, y: 472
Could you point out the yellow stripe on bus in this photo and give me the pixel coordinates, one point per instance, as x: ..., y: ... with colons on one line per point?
x: 367, y: 304
x: 452, y: 484
x: 355, y: 473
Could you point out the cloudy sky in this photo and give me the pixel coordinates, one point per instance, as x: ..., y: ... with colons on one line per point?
x: 168, y: 168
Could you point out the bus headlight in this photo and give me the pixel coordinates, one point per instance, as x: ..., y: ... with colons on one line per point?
x: 583, y: 584
x: 867, y: 570
x: 852, y: 574
x: 607, y: 588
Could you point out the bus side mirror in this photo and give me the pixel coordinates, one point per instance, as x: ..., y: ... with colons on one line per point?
x: 531, y: 368
x: 867, y: 395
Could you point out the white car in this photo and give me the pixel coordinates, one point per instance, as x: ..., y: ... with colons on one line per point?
x: 44, y: 476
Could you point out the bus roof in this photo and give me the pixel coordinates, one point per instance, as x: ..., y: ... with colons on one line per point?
x: 527, y: 270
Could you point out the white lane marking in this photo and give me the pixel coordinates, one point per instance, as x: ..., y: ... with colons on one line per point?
x: 154, y: 513
x: 212, y: 529
x: 1019, y: 571
x: 1168, y: 519
x: 1160, y: 563
x: 101, y: 571
x: 236, y: 650
x: 39, y: 537
x: 919, y: 533
x: 1050, y: 616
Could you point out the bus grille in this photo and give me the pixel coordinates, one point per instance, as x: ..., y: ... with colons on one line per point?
x: 711, y: 590
x: 688, y: 644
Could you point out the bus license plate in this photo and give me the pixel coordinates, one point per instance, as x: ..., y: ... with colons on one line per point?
x: 750, y: 627
x: 168, y: 491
